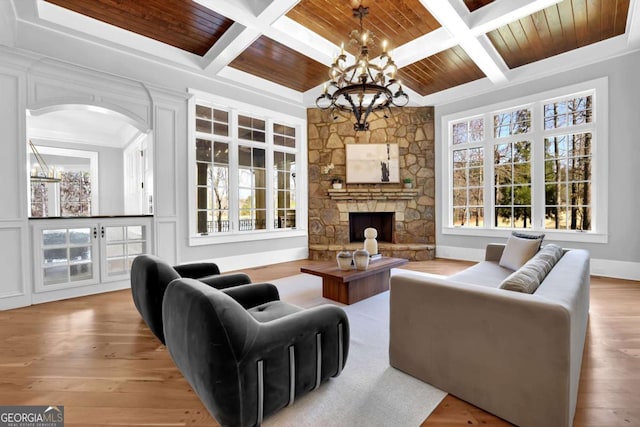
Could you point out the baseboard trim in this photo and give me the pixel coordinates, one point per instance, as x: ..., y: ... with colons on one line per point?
x: 599, y: 267
x: 80, y: 291
x: 238, y: 262
x: 616, y: 269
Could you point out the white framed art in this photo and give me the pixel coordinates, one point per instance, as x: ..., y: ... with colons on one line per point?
x: 373, y: 163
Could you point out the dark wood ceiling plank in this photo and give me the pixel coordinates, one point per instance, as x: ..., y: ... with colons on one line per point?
x: 441, y: 71
x: 581, y: 23
x: 565, y: 26
x: 474, y: 5
x: 397, y: 21
x: 532, y: 35
x: 622, y: 11
x: 180, y: 23
x: 270, y: 60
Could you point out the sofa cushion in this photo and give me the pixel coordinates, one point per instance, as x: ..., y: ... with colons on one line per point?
x: 484, y: 273
x: 272, y: 310
x: 529, y: 276
x: 518, y: 251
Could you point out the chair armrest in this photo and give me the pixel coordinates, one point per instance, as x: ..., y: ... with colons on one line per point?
x: 494, y: 251
x: 222, y: 281
x: 254, y: 294
x: 197, y: 269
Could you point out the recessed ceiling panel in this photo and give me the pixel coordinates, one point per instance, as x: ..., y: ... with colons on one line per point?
x: 444, y: 70
x: 398, y: 21
x: 568, y: 25
x: 180, y: 23
x: 276, y: 62
x: 476, y: 4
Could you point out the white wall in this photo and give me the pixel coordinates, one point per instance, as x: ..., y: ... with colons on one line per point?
x: 620, y: 256
x: 153, y: 96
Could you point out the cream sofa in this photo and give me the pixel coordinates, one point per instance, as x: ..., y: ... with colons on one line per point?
x: 515, y: 355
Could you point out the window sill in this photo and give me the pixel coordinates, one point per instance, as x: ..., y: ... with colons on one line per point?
x: 246, y: 236
x: 550, y: 235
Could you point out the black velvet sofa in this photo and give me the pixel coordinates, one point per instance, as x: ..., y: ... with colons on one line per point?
x: 150, y: 276
x: 246, y: 353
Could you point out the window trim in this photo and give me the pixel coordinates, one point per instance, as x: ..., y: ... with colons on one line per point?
x: 599, y: 233
x: 270, y: 117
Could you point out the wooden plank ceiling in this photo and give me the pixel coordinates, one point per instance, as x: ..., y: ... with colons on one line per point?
x: 186, y: 25
x: 398, y: 21
x: 274, y: 61
x: 566, y: 26
x: 180, y: 23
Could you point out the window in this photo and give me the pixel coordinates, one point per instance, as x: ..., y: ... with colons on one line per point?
x: 245, y: 169
x: 539, y: 166
x: 284, y: 178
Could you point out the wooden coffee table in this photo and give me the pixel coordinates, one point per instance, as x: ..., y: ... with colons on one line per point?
x: 354, y: 285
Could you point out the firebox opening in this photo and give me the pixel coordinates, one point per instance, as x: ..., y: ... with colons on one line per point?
x: 381, y: 221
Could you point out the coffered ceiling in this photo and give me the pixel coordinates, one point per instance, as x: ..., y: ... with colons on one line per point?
x: 443, y: 48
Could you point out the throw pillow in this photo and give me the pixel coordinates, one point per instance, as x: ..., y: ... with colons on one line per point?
x: 529, y: 276
x: 528, y: 236
x: 518, y: 251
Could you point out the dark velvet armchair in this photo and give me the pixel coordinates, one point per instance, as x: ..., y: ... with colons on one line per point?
x: 246, y: 353
x: 150, y: 277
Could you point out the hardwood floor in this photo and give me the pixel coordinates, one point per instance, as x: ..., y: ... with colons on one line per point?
x: 95, y: 356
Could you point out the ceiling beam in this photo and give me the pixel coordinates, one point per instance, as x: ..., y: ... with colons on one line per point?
x: 258, y: 19
x: 454, y: 22
x: 501, y: 13
x: 633, y: 24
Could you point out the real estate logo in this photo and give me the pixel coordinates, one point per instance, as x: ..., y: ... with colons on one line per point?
x: 31, y: 416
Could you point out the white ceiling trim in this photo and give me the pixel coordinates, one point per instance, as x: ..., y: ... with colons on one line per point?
x: 64, y: 20
x: 254, y: 18
x: 252, y: 83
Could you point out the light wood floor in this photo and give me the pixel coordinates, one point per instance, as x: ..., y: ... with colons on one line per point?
x: 95, y: 356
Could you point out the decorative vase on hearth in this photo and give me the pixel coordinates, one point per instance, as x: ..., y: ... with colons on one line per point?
x: 344, y: 259
x: 361, y: 259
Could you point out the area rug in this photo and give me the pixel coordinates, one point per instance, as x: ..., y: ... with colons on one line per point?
x: 369, y: 392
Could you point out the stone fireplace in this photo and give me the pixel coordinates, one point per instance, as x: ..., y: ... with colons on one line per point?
x: 404, y: 218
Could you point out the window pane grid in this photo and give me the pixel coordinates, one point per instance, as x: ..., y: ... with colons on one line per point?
x: 212, y: 121
x: 568, y: 184
x: 251, y: 129
x: 468, y: 187
x: 575, y: 111
x: 212, y: 186
x: 284, y: 189
x: 238, y: 188
x: 252, y: 186
x: 512, y: 185
x: 468, y: 131
x: 511, y: 123
x: 284, y: 135
x: 539, y: 166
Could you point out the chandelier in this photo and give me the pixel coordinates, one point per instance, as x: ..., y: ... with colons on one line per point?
x: 362, y: 87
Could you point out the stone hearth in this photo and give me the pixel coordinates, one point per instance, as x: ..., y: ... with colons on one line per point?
x: 413, y: 209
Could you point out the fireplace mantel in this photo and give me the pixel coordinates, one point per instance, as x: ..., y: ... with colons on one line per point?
x: 373, y: 194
